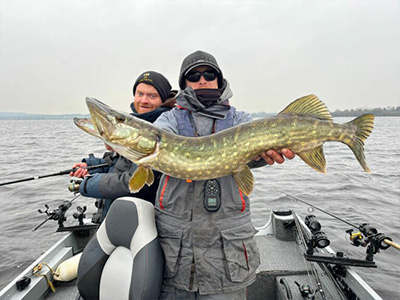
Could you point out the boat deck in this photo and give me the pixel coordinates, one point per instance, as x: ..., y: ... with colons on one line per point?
x: 287, y: 263
x: 283, y: 268
x: 279, y: 259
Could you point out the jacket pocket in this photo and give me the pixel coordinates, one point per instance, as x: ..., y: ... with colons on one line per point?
x: 241, y: 252
x: 171, y: 241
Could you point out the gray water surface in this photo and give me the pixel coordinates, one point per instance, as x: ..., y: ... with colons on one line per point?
x: 39, y: 147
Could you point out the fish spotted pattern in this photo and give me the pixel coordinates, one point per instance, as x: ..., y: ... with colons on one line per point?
x: 303, y: 126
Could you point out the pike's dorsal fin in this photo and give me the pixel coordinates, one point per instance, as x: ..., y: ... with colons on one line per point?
x: 244, y: 179
x: 315, y: 158
x: 308, y: 105
x: 143, y: 175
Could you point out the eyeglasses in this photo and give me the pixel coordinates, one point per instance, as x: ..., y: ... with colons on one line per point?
x: 209, y: 75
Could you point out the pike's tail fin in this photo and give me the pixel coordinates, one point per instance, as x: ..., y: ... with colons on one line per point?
x: 364, y: 124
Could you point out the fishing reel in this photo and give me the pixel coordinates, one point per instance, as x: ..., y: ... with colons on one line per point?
x: 369, y: 237
x: 318, y: 238
x: 80, y: 215
x: 73, y: 185
x: 356, y: 238
x: 57, y: 214
x: 306, y: 291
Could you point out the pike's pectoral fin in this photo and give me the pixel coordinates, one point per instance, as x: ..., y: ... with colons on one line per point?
x: 143, y: 175
x: 315, y: 158
x: 150, y: 177
x: 244, y: 179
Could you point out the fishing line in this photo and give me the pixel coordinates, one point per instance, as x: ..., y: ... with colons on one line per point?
x: 320, y: 209
x: 386, y: 240
x: 301, y: 233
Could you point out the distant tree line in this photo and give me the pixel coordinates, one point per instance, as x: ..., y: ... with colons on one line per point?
x: 382, y: 112
x: 26, y: 116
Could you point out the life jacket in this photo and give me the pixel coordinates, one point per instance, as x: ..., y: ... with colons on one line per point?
x: 185, y: 126
x: 208, y: 252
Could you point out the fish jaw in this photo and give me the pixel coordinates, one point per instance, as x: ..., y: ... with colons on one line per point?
x: 86, y: 125
x: 110, y: 124
x: 121, y: 130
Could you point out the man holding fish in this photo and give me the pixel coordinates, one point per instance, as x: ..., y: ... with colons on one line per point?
x: 204, y: 226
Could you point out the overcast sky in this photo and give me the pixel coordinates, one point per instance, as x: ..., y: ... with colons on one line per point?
x: 55, y: 53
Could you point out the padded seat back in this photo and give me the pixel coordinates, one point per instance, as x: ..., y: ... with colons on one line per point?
x: 123, y: 260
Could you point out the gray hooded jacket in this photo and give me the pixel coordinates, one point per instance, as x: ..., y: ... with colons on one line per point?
x: 209, y: 252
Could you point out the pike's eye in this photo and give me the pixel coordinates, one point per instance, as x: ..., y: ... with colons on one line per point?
x: 120, y: 119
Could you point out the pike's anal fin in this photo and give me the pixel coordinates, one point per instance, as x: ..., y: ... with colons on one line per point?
x: 143, y: 175
x: 315, y: 158
x: 244, y: 179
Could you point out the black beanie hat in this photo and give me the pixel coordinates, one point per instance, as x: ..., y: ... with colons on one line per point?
x: 198, y: 58
x: 157, y: 80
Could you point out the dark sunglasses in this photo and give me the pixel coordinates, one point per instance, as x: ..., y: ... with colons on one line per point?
x: 209, y: 75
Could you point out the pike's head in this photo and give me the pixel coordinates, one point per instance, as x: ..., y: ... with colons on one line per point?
x: 126, y: 134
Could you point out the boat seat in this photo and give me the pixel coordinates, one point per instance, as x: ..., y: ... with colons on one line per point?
x: 123, y: 260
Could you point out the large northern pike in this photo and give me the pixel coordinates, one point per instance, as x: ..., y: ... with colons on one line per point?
x: 303, y: 126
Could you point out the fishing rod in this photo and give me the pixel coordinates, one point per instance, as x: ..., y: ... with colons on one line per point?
x: 370, y: 232
x: 320, y: 209
x: 54, y: 174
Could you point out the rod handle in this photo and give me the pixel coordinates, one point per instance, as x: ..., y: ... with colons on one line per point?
x: 390, y: 243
